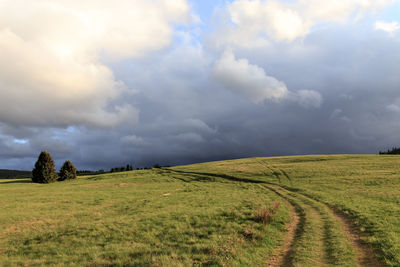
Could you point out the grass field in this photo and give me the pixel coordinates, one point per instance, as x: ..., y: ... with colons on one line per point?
x: 366, y: 188
x: 347, y: 209
x: 145, y: 218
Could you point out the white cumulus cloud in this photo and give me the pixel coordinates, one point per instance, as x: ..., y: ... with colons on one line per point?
x: 254, y: 23
x: 241, y: 77
x: 268, y: 17
x: 244, y: 78
x: 52, y: 70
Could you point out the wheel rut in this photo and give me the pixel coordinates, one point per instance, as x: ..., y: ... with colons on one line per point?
x: 307, y: 246
x: 333, y: 248
x: 338, y: 243
x: 281, y: 256
x: 277, y: 172
x: 364, y: 254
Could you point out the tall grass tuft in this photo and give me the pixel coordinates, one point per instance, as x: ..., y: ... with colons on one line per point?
x: 265, y: 215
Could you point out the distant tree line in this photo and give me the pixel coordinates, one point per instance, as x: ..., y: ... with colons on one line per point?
x: 393, y: 151
x: 122, y: 169
x: 130, y: 168
x: 14, y: 174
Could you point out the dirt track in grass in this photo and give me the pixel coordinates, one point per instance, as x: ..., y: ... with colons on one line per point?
x: 284, y: 255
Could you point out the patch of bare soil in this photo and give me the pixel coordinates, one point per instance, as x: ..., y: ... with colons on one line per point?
x: 121, y: 184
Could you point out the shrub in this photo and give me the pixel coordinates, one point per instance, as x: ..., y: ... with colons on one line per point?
x: 67, y: 171
x: 265, y: 215
x: 44, y: 171
x: 262, y: 215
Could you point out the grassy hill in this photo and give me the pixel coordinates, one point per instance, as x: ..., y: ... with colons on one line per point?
x: 333, y: 211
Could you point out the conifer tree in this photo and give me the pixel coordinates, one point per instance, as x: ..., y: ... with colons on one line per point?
x: 67, y: 171
x: 44, y: 171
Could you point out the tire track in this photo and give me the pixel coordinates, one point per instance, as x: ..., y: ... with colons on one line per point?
x: 335, y: 226
x: 282, y: 255
x: 307, y: 248
x: 363, y: 254
x: 276, y: 172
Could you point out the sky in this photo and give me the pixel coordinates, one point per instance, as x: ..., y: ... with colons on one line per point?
x: 109, y: 83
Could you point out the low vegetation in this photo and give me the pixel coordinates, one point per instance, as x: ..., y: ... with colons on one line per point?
x: 227, y: 213
x: 266, y: 214
x: 365, y: 188
x: 145, y: 218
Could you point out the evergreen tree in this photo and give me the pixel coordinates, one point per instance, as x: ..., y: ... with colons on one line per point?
x: 67, y: 171
x: 128, y: 167
x: 44, y: 171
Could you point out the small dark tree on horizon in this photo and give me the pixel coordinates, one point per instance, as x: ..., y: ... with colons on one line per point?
x: 393, y: 151
x: 67, y: 171
x: 44, y: 171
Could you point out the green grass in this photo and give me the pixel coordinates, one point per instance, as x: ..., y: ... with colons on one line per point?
x: 144, y: 218
x: 365, y: 187
x: 204, y: 214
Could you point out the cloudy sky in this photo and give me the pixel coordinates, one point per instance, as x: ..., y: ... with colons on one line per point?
x: 106, y: 83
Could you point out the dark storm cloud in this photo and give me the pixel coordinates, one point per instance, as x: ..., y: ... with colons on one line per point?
x: 356, y: 75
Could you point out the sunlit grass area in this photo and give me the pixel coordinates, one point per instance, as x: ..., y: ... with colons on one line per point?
x: 227, y: 213
x: 150, y: 217
x: 365, y: 187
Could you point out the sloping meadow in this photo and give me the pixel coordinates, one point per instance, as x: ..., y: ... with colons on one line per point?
x: 151, y: 217
x: 225, y: 213
x: 363, y: 188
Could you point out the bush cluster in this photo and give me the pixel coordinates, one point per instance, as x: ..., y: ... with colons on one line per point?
x: 44, y: 171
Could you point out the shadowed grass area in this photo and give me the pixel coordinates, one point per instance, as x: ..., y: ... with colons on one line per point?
x: 144, y: 218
